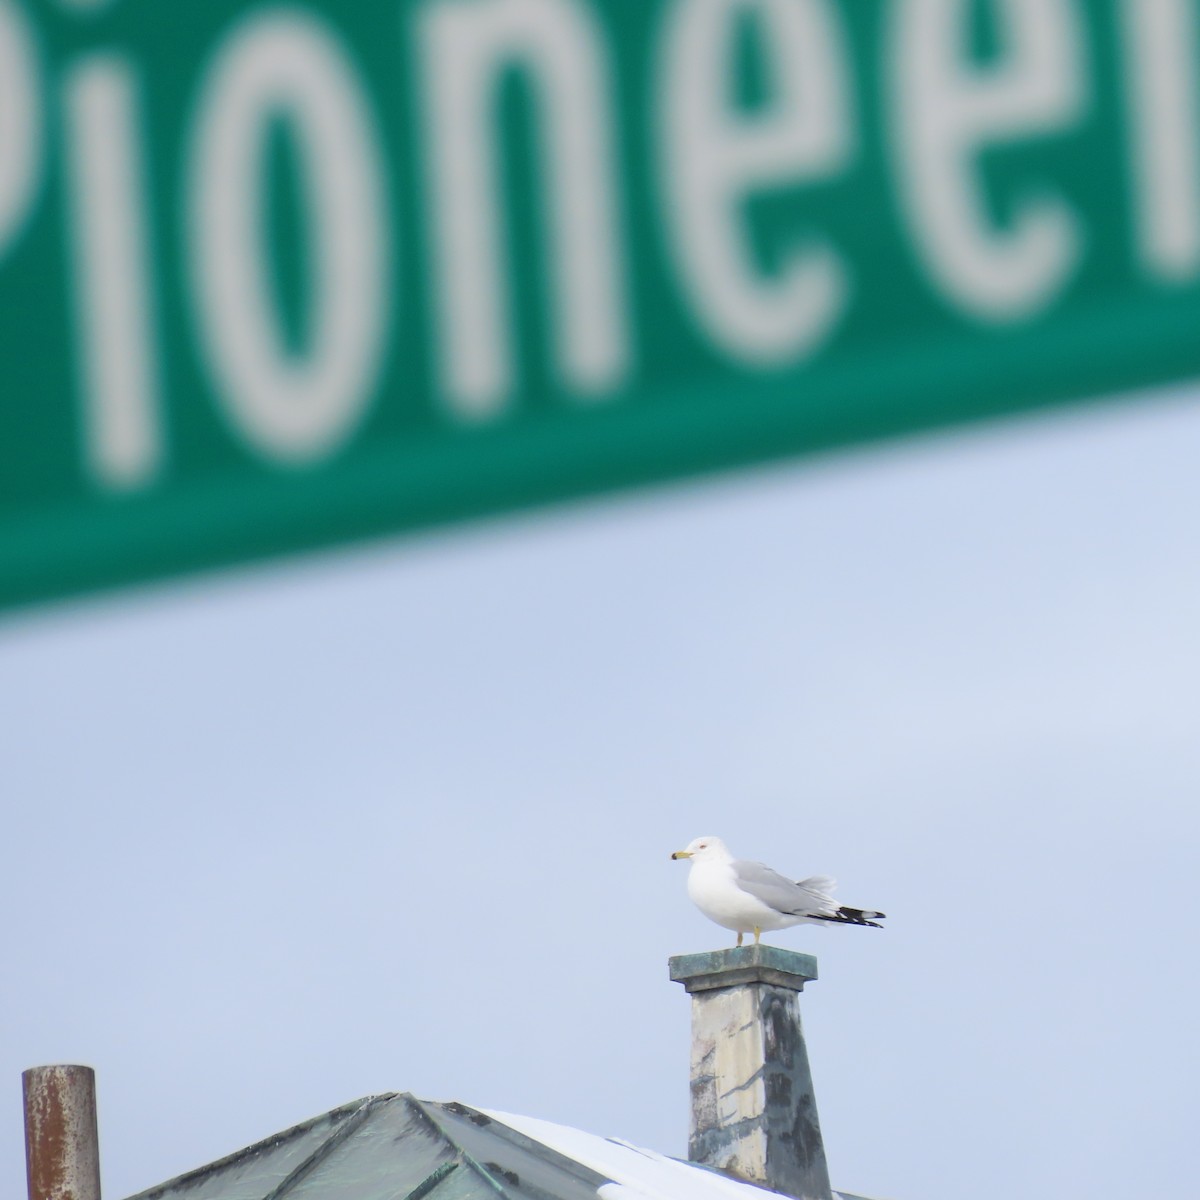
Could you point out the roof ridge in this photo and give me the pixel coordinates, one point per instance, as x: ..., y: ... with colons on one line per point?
x: 581, y: 1172
x: 339, y: 1114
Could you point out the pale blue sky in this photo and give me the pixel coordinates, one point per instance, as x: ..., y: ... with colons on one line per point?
x: 399, y: 817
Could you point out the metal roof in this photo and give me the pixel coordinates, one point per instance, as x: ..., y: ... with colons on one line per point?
x: 396, y: 1147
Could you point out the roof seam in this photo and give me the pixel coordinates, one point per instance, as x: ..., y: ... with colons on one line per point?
x: 335, y: 1139
x: 432, y: 1180
x: 479, y: 1169
x: 466, y: 1159
x: 586, y: 1175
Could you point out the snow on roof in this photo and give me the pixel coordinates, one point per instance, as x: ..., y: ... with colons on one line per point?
x: 636, y: 1174
x: 395, y: 1145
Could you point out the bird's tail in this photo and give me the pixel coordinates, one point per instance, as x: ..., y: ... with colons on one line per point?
x: 851, y: 916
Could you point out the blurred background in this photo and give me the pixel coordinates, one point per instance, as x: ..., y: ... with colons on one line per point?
x: 397, y: 815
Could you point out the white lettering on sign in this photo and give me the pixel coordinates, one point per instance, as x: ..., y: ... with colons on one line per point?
x: 946, y: 124
x: 123, y: 442
x: 464, y: 46
x: 714, y: 158
x: 948, y: 111
x: 20, y: 122
x: 283, y: 66
x: 1160, y: 64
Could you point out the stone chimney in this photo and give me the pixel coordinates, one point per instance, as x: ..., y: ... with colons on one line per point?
x: 753, y: 1110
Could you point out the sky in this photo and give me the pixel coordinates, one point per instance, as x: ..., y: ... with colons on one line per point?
x: 399, y: 817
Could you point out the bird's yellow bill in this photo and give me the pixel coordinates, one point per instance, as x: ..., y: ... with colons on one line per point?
x: 682, y: 854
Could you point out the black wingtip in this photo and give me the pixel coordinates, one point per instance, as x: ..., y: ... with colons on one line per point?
x: 853, y: 916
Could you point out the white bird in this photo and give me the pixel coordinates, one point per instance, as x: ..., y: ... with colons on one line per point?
x: 750, y: 897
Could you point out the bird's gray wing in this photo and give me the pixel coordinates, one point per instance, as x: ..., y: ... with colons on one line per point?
x: 780, y: 893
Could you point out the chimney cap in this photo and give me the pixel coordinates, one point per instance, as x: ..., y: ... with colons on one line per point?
x: 745, y: 964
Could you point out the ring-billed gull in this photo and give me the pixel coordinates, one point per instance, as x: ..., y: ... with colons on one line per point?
x: 749, y: 897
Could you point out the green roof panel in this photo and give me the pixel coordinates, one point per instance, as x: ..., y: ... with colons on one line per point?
x: 390, y: 1147
x: 257, y: 1171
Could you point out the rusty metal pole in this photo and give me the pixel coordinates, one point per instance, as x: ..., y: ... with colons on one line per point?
x: 62, y: 1148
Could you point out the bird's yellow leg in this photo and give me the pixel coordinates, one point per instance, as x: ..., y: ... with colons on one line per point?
x: 757, y: 934
x: 739, y: 937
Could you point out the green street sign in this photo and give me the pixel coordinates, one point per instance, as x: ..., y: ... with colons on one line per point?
x: 275, y: 275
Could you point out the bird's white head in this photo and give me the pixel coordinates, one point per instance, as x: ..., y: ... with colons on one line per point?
x: 704, y: 847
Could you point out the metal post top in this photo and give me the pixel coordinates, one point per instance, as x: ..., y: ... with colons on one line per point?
x: 746, y: 964
x: 58, y: 1070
